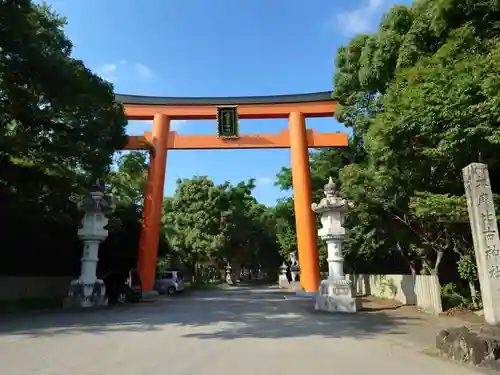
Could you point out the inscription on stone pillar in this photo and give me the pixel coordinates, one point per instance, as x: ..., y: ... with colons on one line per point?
x: 485, y: 237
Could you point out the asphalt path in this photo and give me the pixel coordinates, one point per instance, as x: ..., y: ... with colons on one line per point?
x: 237, y: 331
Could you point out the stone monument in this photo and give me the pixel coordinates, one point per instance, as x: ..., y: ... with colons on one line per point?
x: 484, y: 230
x: 282, y: 279
x: 294, y: 266
x: 335, y: 293
x: 88, y: 290
x: 479, y: 345
x: 229, y: 274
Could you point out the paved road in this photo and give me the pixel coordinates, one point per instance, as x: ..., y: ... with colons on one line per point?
x: 241, y: 331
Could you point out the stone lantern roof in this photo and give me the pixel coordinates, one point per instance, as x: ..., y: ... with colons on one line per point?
x: 332, y: 200
x: 97, y: 201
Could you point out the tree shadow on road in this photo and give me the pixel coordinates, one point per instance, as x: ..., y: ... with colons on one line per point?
x: 223, y: 314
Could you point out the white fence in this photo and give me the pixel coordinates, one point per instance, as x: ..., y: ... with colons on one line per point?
x: 421, y: 290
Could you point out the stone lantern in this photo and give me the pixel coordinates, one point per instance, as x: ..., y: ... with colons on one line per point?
x: 229, y: 274
x: 88, y: 290
x: 335, y: 293
x: 282, y: 278
x: 294, y: 266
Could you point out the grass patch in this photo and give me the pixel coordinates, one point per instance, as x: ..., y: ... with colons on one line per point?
x: 29, y: 304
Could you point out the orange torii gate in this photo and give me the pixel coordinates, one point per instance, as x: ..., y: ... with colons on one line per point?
x: 227, y: 111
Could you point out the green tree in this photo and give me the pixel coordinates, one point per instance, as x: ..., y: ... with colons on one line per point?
x: 198, y: 214
x: 438, y: 117
x: 286, y: 233
x: 419, y: 95
x: 55, y: 112
x: 419, y: 92
x: 211, y: 225
x: 252, y: 236
x: 128, y: 181
x: 264, y: 250
x: 60, y: 127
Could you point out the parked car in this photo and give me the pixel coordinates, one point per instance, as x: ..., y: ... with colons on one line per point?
x: 123, y: 286
x: 169, y: 282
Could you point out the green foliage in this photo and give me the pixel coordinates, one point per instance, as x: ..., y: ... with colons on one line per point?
x: 467, y: 269
x: 198, y: 212
x: 55, y: 112
x: 285, y: 227
x: 216, y: 224
x: 128, y: 181
x: 438, y: 115
x: 60, y: 127
x: 421, y: 96
x: 451, y: 297
x: 420, y: 93
x: 386, y: 287
x: 439, y: 207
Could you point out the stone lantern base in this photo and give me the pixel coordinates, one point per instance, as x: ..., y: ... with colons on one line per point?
x: 337, y: 296
x: 86, y: 295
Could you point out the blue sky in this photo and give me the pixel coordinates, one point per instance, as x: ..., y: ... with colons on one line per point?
x: 169, y: 48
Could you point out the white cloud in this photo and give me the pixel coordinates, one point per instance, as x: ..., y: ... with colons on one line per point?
x: 112, y: 72
x: 177, y: 125
x: 143, y: 70
x: 263, y: 181
x: 108, y: 72
x: 362, y: 19
x: 136, y: 127
x: 108, y: 68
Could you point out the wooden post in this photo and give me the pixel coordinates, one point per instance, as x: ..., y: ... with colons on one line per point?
x: 153, y: 203
x: 304, y: 215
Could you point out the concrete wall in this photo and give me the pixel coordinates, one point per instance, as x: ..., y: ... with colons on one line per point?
x: 17, y: 287
x: 421, y: 290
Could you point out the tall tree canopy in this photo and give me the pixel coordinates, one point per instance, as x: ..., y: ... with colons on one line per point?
x: 421, y: 97
x: 128, y: 181
x: 420, y: 93
x: 55, y: 111
x: 60, y: 125
x: 219, y: 224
